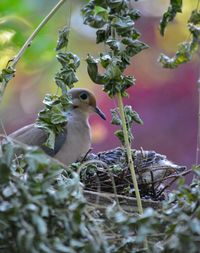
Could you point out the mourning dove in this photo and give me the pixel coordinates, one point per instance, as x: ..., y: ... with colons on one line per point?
x: 75, y: 140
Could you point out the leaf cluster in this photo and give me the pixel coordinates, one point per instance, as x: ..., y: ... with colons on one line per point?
x: 53, y: 117
x: 42, y: 208
x: 115, y: 24
x: 114, y: 21
x: 186, y: 49
x: 5, y: 76
x: 174, y: 8
x: 175, y: 228
x: 66, y: 77
x: 131, y: 117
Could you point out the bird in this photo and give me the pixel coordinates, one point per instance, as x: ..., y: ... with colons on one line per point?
x: 75, y: 139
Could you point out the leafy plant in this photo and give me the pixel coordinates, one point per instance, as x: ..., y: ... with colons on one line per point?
x: 53, y: 118
x: 186, y: 49
x: 42, y: 208
x: 114, y: 21
x: 174, y: 8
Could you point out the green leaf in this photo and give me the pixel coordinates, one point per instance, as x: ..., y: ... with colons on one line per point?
x: 8, y: 152
x: 120, y: 136
x: 134, y: 46
x: 113, y: 71
x: 40, y: 224
x: 4, y: 173
x: 123, y: 25
x: 131, y: 115
x: 94, y: 16
x: 174, y: 8
x: 7, y: 74
x: 36, y: 157
x: 92, y: 68
x: 105, y: 59
x: 63, y: 38
x: 183, y: 55
x: 195, y: 17
x: 115, y: 117
x: 50, y: 100
x: 68, y: 60
x: 115, y: 4
x: 134, y: 14
x: 102, y: 35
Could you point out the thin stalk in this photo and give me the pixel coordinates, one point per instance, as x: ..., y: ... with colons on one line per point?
x: 198, y: 134
x: 130, y: 160
x: 32, y: 36
x: 28, y: 42
x: 129, y: 154
x: 128, y: 148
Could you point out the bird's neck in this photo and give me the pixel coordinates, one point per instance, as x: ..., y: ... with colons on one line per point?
x: 77, y: 115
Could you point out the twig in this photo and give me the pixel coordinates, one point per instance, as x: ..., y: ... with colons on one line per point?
x: 37, y: 30
x: 173, y: 176
x: 198, y: 133
x: 15, y: 60
x: 130, y: 159
x: 107, y: 169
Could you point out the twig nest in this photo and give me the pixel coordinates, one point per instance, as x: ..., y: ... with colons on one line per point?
x: 108, y: 171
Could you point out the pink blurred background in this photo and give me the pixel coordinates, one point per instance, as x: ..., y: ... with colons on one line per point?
x: 165, y: 99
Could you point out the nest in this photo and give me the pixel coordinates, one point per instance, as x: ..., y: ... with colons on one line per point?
x: 109, y: 172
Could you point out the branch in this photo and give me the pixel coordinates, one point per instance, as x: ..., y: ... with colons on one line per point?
x: 13, y: 62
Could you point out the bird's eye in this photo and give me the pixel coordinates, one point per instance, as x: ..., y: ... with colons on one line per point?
x: 83, y: 96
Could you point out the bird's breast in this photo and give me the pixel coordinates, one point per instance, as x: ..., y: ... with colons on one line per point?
x: 78, y: 142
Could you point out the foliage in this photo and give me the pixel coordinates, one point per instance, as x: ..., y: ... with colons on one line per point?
x: 185, y: 49
x: 5, y: 76
x: 131, y: 117
x: 169, y: 15
x: 114, y: 21
x: 175, y: 228
x: 53, y: 118
x: 42, y: 208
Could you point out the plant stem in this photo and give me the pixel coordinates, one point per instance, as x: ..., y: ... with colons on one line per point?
x: 32, y: 36
x: 198, y: 134
x: 129, y: 154
x: 28, y: 42
x: 130, y: 160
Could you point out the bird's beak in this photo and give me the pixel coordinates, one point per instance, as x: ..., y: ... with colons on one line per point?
x: 100, y: 113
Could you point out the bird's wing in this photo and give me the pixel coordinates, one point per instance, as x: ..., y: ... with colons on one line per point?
x: 34, y: 136
x: 30, y: 135
x: 59, y: 141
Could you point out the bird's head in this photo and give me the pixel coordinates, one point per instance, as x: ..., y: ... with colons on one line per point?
x: 85, y: 101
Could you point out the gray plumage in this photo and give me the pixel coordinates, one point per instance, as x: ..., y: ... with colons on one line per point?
x: 34, y: 136
x: 75, y: 139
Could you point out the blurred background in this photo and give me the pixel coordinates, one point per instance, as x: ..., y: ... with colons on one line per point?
x: 165, y: 99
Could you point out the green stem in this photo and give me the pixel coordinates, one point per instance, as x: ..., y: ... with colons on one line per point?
x: 32, y: 36
x: 129, y: 154
x: 130, y: 160
x: 15, y: 60
x: 198, y: 133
